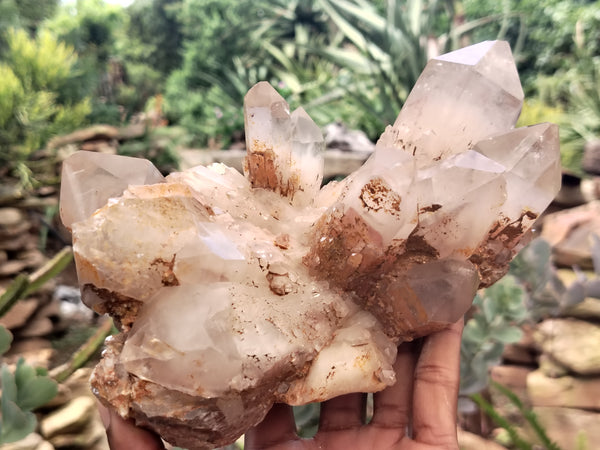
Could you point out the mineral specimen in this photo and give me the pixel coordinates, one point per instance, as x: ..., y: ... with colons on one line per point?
x: 233, y: 292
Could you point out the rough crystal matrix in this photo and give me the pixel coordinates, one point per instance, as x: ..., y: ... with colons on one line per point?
x: 235, y: 292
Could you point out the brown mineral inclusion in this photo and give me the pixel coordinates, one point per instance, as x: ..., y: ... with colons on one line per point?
x: 233, y: 292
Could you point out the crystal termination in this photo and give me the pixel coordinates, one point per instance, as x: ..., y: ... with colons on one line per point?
x: 234, y: 292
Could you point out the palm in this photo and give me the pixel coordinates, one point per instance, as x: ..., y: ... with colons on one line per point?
x: 366, y: 438
x: 423, y: 399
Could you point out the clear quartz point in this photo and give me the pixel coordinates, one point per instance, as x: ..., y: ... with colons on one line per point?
x: 89, y: 179
x: 284, y: 151
x: 459, y: 99
x: 235, y: 292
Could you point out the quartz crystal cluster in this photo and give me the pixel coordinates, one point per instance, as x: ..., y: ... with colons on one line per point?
x: 233, y: 292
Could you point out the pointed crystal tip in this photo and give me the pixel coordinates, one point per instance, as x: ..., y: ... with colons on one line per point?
x: 284, y: 151
x: 475, y: 90
x: 262, y: 94
x: 89, y: 179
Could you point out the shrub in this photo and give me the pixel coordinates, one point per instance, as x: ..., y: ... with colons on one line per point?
x: 33, y: 73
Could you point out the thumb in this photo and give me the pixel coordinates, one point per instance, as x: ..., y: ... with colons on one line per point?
x: 124, y: 435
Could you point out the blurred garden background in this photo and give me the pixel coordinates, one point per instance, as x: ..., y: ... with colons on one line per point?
x: 165, y: 80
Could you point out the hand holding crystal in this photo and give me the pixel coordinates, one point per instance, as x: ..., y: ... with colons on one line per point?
x: 422, y: 400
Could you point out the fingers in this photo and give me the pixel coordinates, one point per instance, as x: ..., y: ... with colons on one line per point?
x: 436, y: 388
x: 124, y: 435
x: 343, y: 412
x: 277, y: 427
x: 392, y: 408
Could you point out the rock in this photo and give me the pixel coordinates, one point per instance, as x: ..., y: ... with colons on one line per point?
x: 29, y: 346
x: 338, y: 136
x: 84, y: 438
x: 46, y: 191
x: 38, y: 358
x: 513, y: 377
x: 19, y: 314
x: 10, y: 217
x: 567, y: 426
x: 52, y: 310
x: 15, y: 230
x: 566, y: 391
x: 336, y: 162
x: 471, y: 441
x: 524, y: 351
x: 106, y: 132
x: 588, y: 309
x: 590, y: 189
x: 571, y: 343
x: 79, y: 382
x: 32, y: 257
x: 567, y: 276
x: 10, y: 192
x: 339, y: 163
x: 591, y: 157
x: 39, y: 327
x: 64, y: 293
x: 77, y: 385
x: 132, y: 131
x: 62, y: 397
x: 551, y: 368
x: 71, y: 418
x: 13, y: 236
x: 571, y: 192
x: 16, y: 243
x: 570, y: 234
x: 13, y: 267
x: 33, y: 441
x: 100, y: 146
x: 516, y: 354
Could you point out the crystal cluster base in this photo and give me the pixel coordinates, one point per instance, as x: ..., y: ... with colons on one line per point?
x: 233, y: 292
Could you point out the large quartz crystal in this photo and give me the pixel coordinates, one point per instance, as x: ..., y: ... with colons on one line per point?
x: 234, y: 292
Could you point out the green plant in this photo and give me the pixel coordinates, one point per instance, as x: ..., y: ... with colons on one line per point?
x: 386, y: 51
x: 26, y: 388
x: 117, y: 51
x: 499, y: 310
x: 22, y: 392
x: 219, y: 65
x: 85, y: 352
x: 531, y: 291
x: 306, y: 418
x: 530, y: 417
x: 34, y: 71
x: 159, y: 145
x: 582, y: 122
x: 547, y: 295
x: 154, y: 34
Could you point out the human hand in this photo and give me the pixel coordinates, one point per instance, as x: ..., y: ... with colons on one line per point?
x: 417, y: 413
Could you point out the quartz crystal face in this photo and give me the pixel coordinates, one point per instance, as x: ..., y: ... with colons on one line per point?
x: 234, y: 291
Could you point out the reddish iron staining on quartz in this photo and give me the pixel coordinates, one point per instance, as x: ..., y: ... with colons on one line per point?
x: 234, y: 292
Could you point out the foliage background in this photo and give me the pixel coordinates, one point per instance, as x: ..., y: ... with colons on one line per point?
x: 345, y: 60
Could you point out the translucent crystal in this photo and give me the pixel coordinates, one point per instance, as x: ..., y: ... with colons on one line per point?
x: 459, y: 99
x: 284, y: 150
x: 234, y: 292
x: 89, y: 179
